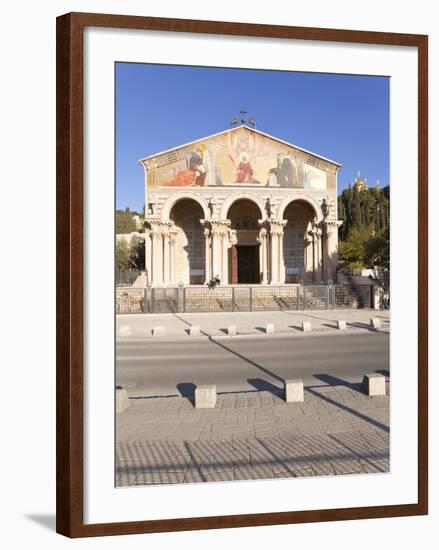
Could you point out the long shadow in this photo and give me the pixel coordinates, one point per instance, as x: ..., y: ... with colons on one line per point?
x: 189, y: 324
x: 365, y: 457
x: 194, y: 461
x: 384, y: 372
x: 246, y: 359
x: 349, y: 410
x: 330, y: 380
x: 187, y: 390
x: 358, y: 324
x: 166, y: 458
x: 263, y: 385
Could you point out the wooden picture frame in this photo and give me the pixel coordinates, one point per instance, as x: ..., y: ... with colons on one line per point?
x: 70, y: 268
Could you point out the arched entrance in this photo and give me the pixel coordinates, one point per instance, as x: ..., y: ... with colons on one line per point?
x: 300, y: 252
x: 187, y: 246
x: 244, y: 255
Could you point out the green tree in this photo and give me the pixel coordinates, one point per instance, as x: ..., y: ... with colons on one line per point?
x: 124, y: 222
x: 353, y: 250
x: 137, y: 247
x: 362, y: 209
x: 130, y: 254
x: 377, y: 251
x: 123, y: 254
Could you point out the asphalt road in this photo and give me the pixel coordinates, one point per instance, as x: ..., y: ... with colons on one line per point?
x: 158, y: 368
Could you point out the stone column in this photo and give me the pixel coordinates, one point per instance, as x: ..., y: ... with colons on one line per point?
x: 148, y: 251
x: 315, y: 234
x: 219, y: 246
x: 159, y: 251
x: 277, y: 269
x: 172, y: 240
x: 157, y: 256
x: 215, y: 251
x: 225, y: 263
x: 166, y: 228
x: 282, y: 274
x: 207, y: 238
x: 263, y: 260
x: 166, y: 259
x: 331, y: 249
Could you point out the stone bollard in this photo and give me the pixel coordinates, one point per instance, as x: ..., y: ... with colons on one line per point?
x: 341, y: 325
x: 306, y: 326
x: 294, y: 391
x: 158, y: 331
x: 124, y: 330
x: 375, y: 323
x: 231, y: 330
x: 269, y: 328
x: 374, y: 384
x: 194, y: 330
x: 205, y: 397
x: 122, y: 401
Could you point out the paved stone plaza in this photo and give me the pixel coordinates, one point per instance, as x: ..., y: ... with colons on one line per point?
x: 247, y: 323
x: 253, y: 435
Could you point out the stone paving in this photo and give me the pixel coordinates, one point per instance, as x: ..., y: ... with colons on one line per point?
x: 248, y: 323
x: 253, y: 435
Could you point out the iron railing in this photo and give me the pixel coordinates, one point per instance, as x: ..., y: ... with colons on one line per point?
x: 126, y: 277
x: 242, y: 298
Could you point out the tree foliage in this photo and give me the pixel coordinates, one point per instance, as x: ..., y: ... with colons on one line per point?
x: 368, y: 208
x: 364, y: 234
x: 130, y: 254
x: 124, y: 221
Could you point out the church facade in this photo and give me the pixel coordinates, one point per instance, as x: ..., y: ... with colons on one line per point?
x: 243, y: 207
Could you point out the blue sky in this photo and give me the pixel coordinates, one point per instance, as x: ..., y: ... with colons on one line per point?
x: 342, y: 117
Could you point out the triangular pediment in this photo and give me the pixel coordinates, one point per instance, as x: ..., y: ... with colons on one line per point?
x: 238, y: 156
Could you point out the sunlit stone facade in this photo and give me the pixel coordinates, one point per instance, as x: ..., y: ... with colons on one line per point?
x: 242, y: 206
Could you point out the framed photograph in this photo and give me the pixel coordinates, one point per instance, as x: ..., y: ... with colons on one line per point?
x: 236, y: 204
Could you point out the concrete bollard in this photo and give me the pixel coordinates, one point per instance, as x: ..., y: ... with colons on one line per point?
x: 294, y: 391
x: 158, y: 331
x: 231, y: 330
x: 124, y: 330
x: 122, y: 401
x: 205, y: 397
x: 269, y: 328
x: 375, y: 323
x: 194, y: 330
x: 341, y: 325
x: 306, y: 326
x: 374, y: 384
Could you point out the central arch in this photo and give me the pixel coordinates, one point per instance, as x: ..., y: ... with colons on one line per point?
x: 244, y: 255
x: 239, y: 196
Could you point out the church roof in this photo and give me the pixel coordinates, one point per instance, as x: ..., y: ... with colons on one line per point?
x: 233, y: 130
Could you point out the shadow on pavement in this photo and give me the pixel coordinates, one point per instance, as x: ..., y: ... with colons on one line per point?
x: 263, y: 385
x: 187, y: 390
x: 330, y: 380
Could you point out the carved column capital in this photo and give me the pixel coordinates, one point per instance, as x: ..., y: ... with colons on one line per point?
x: 276, y: 227
x: 159, y: 226
x: 219, y: 227
x: 331, y: 226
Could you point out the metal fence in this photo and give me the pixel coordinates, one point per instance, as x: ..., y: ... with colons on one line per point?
x: 243, y: 298
x: 126, y: 277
